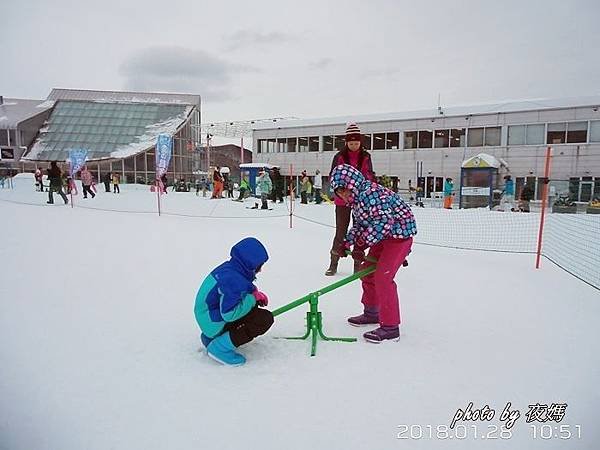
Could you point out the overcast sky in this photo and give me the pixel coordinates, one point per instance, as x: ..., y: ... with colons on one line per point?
x: 256, y: 59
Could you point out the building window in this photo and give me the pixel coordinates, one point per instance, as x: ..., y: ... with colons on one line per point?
x: 475, y: 138
x: 7, y: 153
x: 271, y: 145
x: 327, y: 143
x: 410, y: 139
x: 303, y: 144
x: 313, y: 144
x: 576, y: 132
x: 261, y: 148
x: 292, y: 144
x: 12, y: 136
x: 492, y: 136
x: 457, y: 137
x: 379, y: 141
x: 366, y: 141
x: 392, y: 141
x: 535, y: 134
x: 425, y: 138
x: 340, y: 142
x: 442, y: 138
x: 282, y: 145
x: 526, y: 134
x: 595, y: 131
x: 557, y: 133
x: 3, y: 137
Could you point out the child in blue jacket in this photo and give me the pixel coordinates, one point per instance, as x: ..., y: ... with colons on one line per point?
x: 227, y: 304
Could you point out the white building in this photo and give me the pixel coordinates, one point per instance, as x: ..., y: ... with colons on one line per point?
x: 439, y: 140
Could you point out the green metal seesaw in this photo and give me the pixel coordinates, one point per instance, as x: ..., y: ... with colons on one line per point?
x: 314, y: 319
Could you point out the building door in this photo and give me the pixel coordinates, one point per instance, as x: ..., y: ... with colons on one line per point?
x: 586, y: 188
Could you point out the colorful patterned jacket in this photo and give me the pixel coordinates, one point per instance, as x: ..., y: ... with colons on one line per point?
x: 377, y: 212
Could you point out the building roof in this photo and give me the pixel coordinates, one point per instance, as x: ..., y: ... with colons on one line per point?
x: 15, y: 110
x: 106, y: 130
x: 123, y: 96
x: 478, y: 109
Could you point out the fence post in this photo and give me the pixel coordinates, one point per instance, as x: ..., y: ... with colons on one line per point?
x: 544, y: 201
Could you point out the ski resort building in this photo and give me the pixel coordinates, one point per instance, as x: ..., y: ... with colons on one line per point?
x: 119, y: 130
x: 424, y: 147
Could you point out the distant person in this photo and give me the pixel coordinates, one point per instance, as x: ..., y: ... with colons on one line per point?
x: 527, y: 195
x: 265, y: 185
x: 217, y: 183
x: 244, y: 188
x: 509, y: 193
x: 448, y: 193
x: 305, y: 189
x: 277, y: 180
x: 56, y: 183
x: 318, y: 185
x: 86, y: 181
x: 39, y: 185
x: 107, y: 180
x: 116, y: 178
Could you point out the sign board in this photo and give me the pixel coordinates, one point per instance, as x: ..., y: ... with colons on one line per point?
x: 479, y: 191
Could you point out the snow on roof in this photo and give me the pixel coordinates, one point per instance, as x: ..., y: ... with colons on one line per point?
x: 123, y: 96
x: 476, y: 109
x: 13, y: 111
x: 482, y: 160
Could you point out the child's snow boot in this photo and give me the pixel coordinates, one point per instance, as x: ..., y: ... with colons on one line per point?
x: 222, y: 350
x: 381, y: 334
x: 369, y: 317
x: 333, y: 265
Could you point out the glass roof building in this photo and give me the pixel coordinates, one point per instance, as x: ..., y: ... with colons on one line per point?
x: 119, y: 130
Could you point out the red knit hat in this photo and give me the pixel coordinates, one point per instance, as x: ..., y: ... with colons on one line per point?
x: 352, y: 132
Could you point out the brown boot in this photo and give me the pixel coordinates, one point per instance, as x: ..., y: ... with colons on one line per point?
x: 357, y: 265
x: 333, y: 264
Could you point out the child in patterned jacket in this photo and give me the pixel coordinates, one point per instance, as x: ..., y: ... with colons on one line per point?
x: 383, y: 223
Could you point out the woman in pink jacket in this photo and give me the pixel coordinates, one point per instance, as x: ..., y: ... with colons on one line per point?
x: 354, y: 155
x: 86, y: 182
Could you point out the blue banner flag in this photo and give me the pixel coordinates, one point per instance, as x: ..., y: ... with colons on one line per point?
x: 77, y: 160
x: 164, y: 148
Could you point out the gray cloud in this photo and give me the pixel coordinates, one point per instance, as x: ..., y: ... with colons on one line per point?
x: 321, y: 63
x: 245, y: 38
x: 180, y: 69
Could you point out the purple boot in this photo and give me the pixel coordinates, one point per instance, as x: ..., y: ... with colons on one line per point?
x: 381, y: 334
x: 369, y: 317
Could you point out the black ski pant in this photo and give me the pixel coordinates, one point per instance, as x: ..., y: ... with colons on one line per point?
x: 59, y: 190
x: 107, y: 186
x: 116, y: 189
x: 253, y: 324
x: 87, y: 190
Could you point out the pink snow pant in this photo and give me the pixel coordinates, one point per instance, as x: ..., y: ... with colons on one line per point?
x: 379, y: 289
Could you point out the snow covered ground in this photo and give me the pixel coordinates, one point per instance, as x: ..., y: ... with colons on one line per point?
x: 100, y: 349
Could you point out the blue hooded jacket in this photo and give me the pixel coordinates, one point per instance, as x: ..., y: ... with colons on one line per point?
x: 226, y: 293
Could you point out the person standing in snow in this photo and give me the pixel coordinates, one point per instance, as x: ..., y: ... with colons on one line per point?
x: 354, y: 155
x: 509, y: 193
x: 318, y: 185
x: 217, y: 183
x: 39, y: 185
x: 448, y: 194
x: 244, y: 188
x: 56, y: 183
x: 384, y: 224
x: 264, y: 184
x: 107, y: 179
x: 115, y: 179
x: 305, y: 188
x: 229, y: 308
x: 86, y: 182
x: 277, y: 180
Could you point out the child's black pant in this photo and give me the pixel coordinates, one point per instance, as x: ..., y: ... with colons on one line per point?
x: 253, y: 324
x: 87, y: 190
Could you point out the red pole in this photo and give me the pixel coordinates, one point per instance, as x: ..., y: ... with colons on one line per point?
x: 544, y: 201
x: 242, y: 150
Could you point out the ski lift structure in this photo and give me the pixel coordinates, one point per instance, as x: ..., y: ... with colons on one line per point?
x: 234, y: 130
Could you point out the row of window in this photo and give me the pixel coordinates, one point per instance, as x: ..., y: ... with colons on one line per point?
x: 531, y: 134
